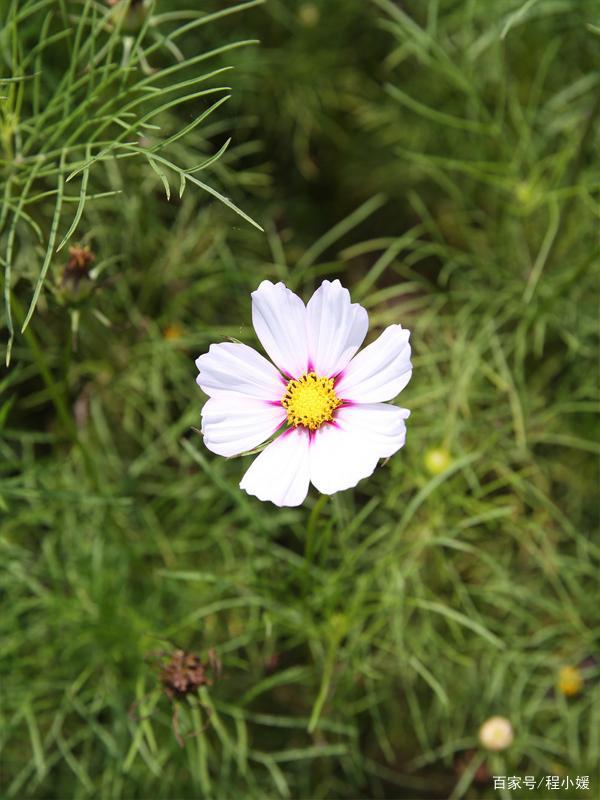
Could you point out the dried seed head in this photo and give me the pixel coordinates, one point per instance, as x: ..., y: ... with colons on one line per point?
x: 76, y: 283
x: 184, y: 674
x: 80, y: 259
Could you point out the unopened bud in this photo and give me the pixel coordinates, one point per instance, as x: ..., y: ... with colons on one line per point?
x: 437, y: 460
x: 570, y: 681
x: 496, y: 733
x: 309, y: 14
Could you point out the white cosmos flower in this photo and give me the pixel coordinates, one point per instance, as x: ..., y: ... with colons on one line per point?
x: 330, y: 399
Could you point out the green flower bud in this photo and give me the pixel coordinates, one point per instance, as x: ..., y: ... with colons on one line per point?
x: 437, y: 460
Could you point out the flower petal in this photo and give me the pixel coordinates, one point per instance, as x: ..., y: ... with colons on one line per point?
x: 234, y: 367
x: 233, y: 423
x: 279, y: 319
x: 339, y: 458
x: 336, y: 328
x: 281, y: 472
x: 380, y: 371
x: 380, y: 423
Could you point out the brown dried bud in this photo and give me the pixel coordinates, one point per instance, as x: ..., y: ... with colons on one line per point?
x: 76, y: 283
x: 184, y: 674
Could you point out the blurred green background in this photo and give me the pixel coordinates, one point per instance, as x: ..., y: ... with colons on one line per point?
x: 440, y: 158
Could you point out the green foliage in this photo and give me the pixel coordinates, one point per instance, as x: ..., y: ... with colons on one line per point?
x: 87, y: 85
x: 439, y: 158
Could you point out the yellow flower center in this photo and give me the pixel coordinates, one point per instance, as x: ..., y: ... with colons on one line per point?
x: 310, y: 401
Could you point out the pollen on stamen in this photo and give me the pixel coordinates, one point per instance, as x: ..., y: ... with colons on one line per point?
x: 310, y: 400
